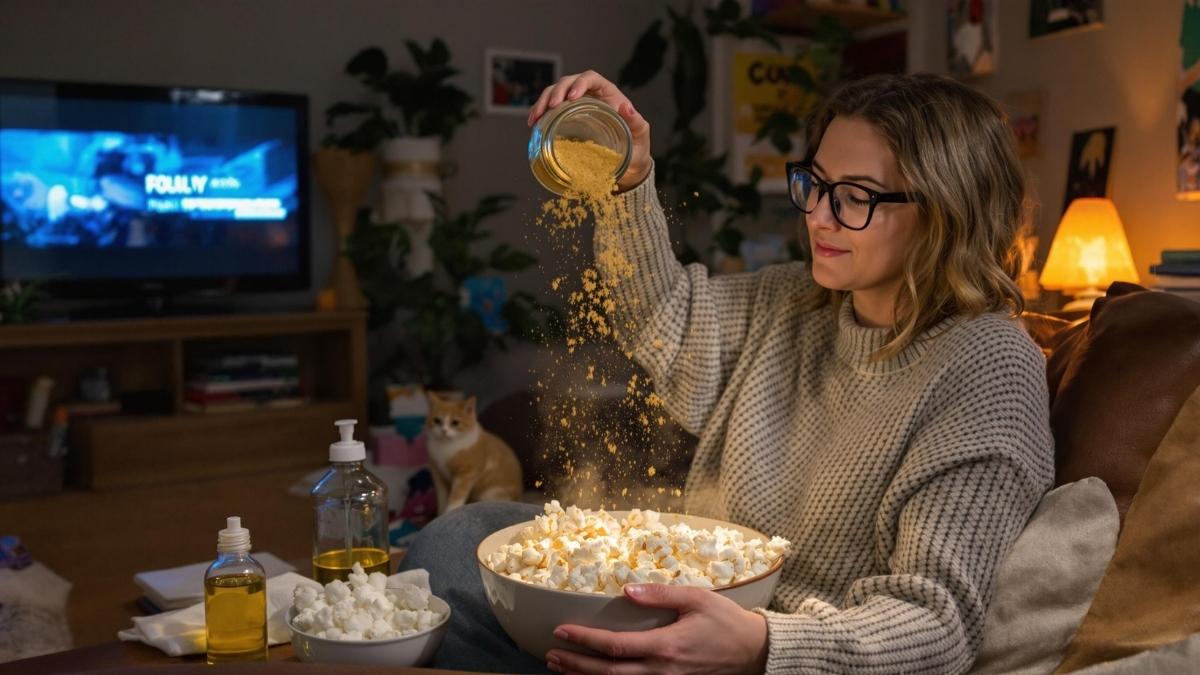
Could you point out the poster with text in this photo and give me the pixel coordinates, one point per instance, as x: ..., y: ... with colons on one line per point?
x: 763, y: 83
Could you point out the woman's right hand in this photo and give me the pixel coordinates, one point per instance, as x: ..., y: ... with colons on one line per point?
x: 595, y: 85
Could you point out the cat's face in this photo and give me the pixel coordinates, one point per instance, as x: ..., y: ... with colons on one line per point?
x: 449, y: 419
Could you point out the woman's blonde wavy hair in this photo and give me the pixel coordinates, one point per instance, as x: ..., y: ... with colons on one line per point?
x: 959, y: 162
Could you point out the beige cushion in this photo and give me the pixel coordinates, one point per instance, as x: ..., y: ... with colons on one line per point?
x: 1046, y: 584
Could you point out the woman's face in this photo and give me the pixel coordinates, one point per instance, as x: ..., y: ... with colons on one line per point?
x: 869, y: 260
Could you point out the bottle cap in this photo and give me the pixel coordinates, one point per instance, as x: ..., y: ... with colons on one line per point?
x: 234, y: 538
x: 347, y: 449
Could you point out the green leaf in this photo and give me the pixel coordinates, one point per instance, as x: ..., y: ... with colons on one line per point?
x: 370, y: 63
x: 726, y: 19
x: 729, y: 240
x: 506, y: 259
x: 779, y: 127
x: 690, y: 76
x: 647, y: 59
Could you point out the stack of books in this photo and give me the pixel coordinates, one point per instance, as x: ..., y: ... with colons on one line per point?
x: 1178, y: 273
x: 242, y: 382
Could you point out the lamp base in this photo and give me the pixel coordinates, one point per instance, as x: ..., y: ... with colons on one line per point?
x: 1084, y: 300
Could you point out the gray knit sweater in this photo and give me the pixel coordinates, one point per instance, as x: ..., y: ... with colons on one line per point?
x: 902, y: 484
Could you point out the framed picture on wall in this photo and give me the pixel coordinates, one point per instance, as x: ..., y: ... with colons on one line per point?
x: 1024, y: 118
x: 1187, y: 133
x: 971, y: 36
x: 1091, y: 159
x: 513, y: 80
x: 1054, y: 16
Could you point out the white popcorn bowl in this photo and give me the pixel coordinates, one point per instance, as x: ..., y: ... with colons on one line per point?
x: 529, y: 613
x: 415, y: 649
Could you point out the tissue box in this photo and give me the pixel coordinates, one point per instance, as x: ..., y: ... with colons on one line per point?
x: 26, y: 467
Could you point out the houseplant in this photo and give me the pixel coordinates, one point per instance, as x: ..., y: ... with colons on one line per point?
x: 420, y: 111
x: 436, y: 335
x: 695, y: 178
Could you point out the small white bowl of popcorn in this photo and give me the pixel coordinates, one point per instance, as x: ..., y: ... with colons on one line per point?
x: 569, y: 566
x: 367, y: 620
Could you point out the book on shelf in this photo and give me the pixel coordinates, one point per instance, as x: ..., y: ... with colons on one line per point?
x: 1175, y: 281
x: 1181, y: 257
x: 244, y: 405
x: 257, y: 384
x: 245, y: 361
x: 1176, y: 269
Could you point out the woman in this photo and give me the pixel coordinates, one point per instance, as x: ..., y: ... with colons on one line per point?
x: 879, y: 407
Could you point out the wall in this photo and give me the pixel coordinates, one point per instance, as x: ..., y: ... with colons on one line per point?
x: 1123, y: 74
x: 303, y: 45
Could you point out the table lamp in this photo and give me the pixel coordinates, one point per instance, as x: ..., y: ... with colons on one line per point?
x: 1088, y: 253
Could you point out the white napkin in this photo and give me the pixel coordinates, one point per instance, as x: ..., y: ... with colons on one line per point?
x: 182, y: 631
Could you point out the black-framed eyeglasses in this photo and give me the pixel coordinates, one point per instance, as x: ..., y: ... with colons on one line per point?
x: 852, y: 204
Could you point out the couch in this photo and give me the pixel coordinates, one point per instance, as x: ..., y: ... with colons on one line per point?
x: 1124, y: 407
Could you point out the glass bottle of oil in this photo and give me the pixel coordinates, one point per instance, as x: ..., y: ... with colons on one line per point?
x: 235, y: 599
x: 584, y: 120
x: 350, y: 513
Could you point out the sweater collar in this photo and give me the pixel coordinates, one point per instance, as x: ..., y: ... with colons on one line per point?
x: 856, y: 343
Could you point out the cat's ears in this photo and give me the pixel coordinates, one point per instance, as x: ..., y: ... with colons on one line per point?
x: 469, y: 405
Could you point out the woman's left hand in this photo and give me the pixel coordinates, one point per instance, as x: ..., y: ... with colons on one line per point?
x: 712, y: 635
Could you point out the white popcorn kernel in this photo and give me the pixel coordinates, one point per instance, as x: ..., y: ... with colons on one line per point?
x: 336, y: 590
x: 590, y: 551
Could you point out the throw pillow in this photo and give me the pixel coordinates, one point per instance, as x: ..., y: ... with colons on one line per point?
x: 1046, y: 584
x: 1151, y: 591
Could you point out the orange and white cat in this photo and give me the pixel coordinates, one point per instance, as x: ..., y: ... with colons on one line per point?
x: 468, y: 462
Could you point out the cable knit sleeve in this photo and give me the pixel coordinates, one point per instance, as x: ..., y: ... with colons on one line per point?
x: 685, y: 328
x: 969, y: 481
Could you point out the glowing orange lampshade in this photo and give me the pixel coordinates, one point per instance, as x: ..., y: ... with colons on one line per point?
x: 1089, y: 252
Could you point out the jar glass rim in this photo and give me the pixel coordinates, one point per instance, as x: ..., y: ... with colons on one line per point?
x: 581, y: 105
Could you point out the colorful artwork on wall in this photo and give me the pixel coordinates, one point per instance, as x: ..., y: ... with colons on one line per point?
x: 1091, y: 158
x: 1024, y: 117
x: 971, y: 35
x: 1054, y: 16
x: 1187, y: 134
x: 513, y: 80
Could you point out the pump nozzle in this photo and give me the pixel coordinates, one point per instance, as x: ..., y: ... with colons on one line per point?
x: 347, y: 449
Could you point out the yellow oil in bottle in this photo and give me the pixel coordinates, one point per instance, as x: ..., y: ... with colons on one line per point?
x: 235, y: 609
x: 331, y: 565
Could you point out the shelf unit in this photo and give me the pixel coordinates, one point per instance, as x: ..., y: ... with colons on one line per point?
x: 800, y: 16
x: 150, y: 355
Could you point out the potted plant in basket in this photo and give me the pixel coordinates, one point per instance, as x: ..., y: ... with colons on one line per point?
x: 421, y: 110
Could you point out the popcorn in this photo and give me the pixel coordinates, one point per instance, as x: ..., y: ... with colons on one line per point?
x: 593, y: 552
x: 363, y: 608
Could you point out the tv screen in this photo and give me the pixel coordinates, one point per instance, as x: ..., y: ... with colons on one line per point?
x: 107, y: 189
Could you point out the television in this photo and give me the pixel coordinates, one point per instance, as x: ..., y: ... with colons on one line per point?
x: 126, y: 191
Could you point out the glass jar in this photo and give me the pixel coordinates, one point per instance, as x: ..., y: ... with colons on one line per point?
x: 584, y: 119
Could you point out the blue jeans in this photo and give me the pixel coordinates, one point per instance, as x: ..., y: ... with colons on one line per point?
x: 446, y: 548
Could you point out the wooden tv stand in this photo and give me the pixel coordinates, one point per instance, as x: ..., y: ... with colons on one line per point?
x: 129, y: 449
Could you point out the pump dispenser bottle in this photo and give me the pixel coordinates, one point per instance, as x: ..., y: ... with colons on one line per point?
x: 235, y: 599
x: 350, y: 513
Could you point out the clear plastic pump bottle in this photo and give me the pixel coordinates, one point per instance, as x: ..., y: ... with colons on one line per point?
x: 350, y: 513
x: 235, y: 599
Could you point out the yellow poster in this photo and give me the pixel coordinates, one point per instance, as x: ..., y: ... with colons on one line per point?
x: 764, y: 82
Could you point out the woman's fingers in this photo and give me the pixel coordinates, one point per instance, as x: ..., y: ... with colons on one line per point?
x: 571, y: 87
x: 615, y: 645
